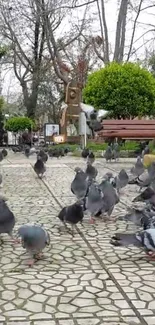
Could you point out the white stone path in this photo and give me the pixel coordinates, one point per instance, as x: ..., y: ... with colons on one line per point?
x: 81, y: 281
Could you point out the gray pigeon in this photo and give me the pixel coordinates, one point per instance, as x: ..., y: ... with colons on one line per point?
x: 144, y: 238
x: 34, y: 240
x: 79, y: 185
x: 4, y: 152
x: 110, y: 198
x: 108, y: 154
x: 145, y: 179
x: 39, y: 167
x: 94, y: 201
x: 148, y: 195
x: 7, y: 219
x: 27, y: 152
x: 1, y: 179
x: 91, y: 158
x: 140, y: 217
x: 138, y: 169
x: 91, y: 172
x: 43, y: 155
x: 121, y: 180
x: 72, y: 214
x: 1, y: 156
x: 108, y: 176
x: 146, y: 151
x: 116, y: 151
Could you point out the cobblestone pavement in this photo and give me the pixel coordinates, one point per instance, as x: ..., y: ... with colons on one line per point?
x: 81, y: 281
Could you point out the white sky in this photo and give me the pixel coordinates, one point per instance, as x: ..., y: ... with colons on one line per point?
x: 11, y: 87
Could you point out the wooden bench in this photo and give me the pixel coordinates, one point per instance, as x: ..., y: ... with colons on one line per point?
x: 127, y: 129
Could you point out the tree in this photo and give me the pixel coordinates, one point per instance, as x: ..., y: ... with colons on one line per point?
x: 126, y: 90
x: 23, y: 29
x: 15, y: 124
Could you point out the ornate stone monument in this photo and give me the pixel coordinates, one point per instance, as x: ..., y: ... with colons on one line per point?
x: 70, y: 116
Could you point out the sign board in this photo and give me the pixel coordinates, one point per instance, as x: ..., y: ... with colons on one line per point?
x: 51, y: 129
x: 59, y: 138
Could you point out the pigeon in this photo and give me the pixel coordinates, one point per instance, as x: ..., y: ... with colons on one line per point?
x: 139, y: 217
x: 85, y: 153
x: 145, y: 179
x: 16, y: 149
x: 108, y: 176
x: 43, y: 155
x: 4, y: 152
x: 34, y: 240
x: 94, y: 201
x: 144, y: 238
x: 66, y: 151
x: 146, y: 151
x: 110, y: 197
x: 79, y: 185
x: 151, y: 170
x: 138, y: 169
x: 91, y: 158
x: 7, y: 219
x: 91, y: 171
x: 121, y: 180
x: 148, y: 195
x: 39, y: 167
x: 108, y: 154
x: 115, y: 151
x: 27, y: 152
x: 72, y: 214
x: 1, y: 156
x: 1, y: 179
x: 32, y: 150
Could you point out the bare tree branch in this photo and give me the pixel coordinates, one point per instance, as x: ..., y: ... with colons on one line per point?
x: 134, y: 29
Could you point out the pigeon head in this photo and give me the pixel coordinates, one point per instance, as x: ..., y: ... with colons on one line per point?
x: 77, y: 169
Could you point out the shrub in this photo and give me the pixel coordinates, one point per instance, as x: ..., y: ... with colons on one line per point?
x: 19, y: 123
x: 125, y: 90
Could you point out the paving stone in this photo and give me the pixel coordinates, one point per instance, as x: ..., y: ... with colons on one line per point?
x: 8, y: 295
x: 51, y: 322
x: 35, y: 307
x: 88, y: 321
x: 150, y: 320
x: 66, y: 322
x: 69, y: 287
x: 41, y: 316
x: 67, y: 308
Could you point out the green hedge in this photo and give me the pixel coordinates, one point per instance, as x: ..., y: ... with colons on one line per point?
x: 128, y: 146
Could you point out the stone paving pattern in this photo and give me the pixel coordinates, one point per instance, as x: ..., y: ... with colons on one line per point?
x: 80, y: 281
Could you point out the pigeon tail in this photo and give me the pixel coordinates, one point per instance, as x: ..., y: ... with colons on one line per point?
x: 120, y: 239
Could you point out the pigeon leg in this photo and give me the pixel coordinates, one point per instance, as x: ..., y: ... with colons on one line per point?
x: 151, y: 254
x: 15, y: 240
x: 31, y: 262
x: 91, y: 220
x: 72, y: 230
x: 81, y: 222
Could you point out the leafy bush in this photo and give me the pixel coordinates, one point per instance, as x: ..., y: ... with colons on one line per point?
x: 130, y: 145
x: 19, y: 123
x: 96, y: 146
x: 71, y: 147
x: 125, y: 90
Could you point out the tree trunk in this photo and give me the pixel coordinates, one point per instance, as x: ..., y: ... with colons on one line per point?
x: 120, y: 32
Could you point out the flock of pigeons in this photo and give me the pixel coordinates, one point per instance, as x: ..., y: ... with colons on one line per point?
x: 99, y: 199
x: 96, y: 199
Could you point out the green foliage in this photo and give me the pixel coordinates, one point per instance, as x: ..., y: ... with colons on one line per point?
x: 96, y: 146
x: 3, y: 51
x: 19, y: 123
x: 126, y: 90
x: 71, y: 147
